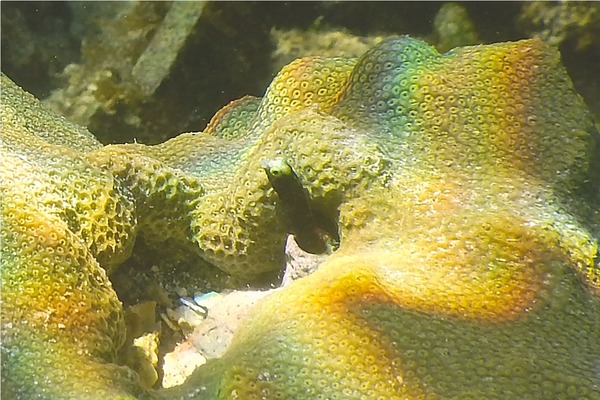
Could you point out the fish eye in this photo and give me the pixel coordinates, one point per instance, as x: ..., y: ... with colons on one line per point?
x: 277, y: 167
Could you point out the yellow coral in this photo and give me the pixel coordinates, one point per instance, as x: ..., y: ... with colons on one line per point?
x: 464, y: 188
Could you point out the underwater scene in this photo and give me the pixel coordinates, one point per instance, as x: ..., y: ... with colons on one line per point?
x: 300, y: 200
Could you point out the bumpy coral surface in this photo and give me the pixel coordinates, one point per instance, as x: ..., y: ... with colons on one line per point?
x: 465, y: 189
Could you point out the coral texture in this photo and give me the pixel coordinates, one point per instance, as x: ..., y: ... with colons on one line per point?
x: 465, y: 190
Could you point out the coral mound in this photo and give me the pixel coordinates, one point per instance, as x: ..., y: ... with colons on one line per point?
x: 463, y: 186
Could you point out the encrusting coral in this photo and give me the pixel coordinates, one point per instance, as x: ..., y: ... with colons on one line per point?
x: 464, y: 187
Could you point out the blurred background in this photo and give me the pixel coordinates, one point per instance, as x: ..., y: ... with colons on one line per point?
x: 147, y: 71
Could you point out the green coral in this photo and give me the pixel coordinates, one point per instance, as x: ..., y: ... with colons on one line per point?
x: 464, y: 188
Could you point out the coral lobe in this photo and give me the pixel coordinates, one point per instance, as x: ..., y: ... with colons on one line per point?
x: 464, y: 186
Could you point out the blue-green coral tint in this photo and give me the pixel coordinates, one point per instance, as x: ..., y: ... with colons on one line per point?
x: 465, y: 187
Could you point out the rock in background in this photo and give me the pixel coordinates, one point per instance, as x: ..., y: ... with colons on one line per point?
x: 147, y: 71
